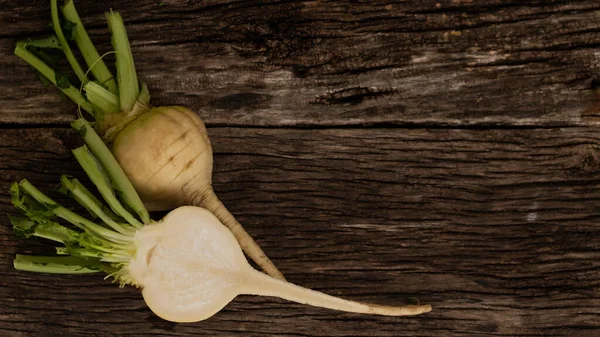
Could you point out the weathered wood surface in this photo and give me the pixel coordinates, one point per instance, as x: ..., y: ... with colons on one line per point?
x: 443, y: 150
x: 273, y: 63
x: 496, y: 229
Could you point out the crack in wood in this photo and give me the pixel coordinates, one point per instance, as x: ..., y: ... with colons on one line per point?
x: 353, y: 95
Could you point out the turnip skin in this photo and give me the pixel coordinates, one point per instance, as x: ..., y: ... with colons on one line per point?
x: 167, y: 155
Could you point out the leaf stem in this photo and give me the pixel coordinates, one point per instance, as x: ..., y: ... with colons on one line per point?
x: 52, y: 264
x: 71, y: 92
x: 74, y: 218
x: 47, y: 230
x: 97, y: 175
x: 93, y: 198
x: 84, y: 199
x: 102, y: 98
x: 64, y: 44
x: 88, y: 51
x: 119, y: 179
x: 126, y: 74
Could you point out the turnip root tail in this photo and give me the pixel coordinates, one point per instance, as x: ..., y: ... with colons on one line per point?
x: 211, y: 202
x: 261, y: 284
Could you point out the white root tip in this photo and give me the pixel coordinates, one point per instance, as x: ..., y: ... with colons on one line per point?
x: 407, y: 310
x: 258, y: 283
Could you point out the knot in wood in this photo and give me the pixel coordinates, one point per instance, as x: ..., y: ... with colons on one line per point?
x: 589, y: 160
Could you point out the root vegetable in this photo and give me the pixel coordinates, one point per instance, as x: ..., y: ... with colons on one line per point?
x: 188, y: 265
x: 165, y: 151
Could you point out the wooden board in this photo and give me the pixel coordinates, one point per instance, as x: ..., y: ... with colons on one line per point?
x: 497, y: 229
x: 331, y: 63
x: 384, y: 151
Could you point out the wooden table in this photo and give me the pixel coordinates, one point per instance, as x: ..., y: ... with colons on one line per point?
x: 383, y: 151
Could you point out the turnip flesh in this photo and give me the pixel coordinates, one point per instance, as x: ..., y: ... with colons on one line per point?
x: 188, y: 265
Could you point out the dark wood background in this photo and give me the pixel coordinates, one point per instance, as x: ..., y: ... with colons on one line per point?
x: 382, y: 151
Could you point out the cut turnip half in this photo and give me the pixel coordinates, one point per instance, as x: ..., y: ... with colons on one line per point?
x: 190, y: 266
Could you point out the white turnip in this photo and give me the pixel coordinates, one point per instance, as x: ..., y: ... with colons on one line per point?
x: 187, y: 265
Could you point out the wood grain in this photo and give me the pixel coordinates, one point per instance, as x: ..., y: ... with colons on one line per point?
x: 332, y: 63
x: 497, y: 229
x: 384, y: 151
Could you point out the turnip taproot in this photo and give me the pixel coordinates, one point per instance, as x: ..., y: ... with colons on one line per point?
x: 165, y: 151
x: 188, y: 265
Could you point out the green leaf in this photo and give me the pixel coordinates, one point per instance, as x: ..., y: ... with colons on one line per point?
x: 47, y: 83
x: 49, y: 42
x: 22, y: 227
x: 40, y: 215
x: 62, y: 81
x: 58, y: 264
x: 81, y: 130
x: 33, y: 210
x: 50, y: 207
x: 68, y: 29
x: 23, y: 201
x: 49, y: 56
x: 86, y: 239
x: 64, y: 190
x: 15, y: 193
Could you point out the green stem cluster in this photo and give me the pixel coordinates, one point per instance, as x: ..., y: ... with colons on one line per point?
x: 103, y: 245
x: 102, y: 93
x: 129, y: 89
x: 56, y: 24
x: 88, y: 50
x: 68, y: 89
x: 121, y: 183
